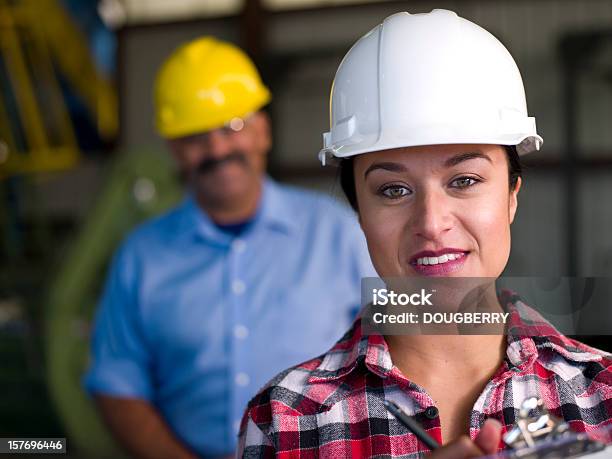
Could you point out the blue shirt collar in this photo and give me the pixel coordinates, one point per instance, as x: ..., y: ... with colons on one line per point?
x: 274, y: 212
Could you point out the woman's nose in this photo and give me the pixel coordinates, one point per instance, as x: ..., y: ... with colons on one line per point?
x: 432, y: 217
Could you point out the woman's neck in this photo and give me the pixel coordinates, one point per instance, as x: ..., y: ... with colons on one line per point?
x: 460, y: 349
x: 452, y: 369
x: 425, y: 356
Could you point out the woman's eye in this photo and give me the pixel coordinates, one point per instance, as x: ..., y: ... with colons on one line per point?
x: 395, y: 191
x: 464, y: 182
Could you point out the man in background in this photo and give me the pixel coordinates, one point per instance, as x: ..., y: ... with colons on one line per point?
x: 246, y: 277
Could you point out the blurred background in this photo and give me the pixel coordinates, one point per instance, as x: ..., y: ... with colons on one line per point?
x: 80, y: 163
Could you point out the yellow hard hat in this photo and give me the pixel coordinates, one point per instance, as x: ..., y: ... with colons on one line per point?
x: 203, y: 85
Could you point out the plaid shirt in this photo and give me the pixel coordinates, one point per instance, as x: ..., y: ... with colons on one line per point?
x: 332, y: 406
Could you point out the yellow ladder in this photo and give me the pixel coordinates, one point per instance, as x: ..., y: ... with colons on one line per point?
x: 38, y: 38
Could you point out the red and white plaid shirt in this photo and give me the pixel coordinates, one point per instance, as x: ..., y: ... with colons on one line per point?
x: 332, y: 406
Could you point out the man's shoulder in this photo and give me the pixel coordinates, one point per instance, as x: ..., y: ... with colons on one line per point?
x: 154, y: 232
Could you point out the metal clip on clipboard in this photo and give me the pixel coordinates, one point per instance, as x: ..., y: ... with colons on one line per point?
x: 544, y: 436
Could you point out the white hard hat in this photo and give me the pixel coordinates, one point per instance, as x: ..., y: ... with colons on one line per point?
x: 427, y: 79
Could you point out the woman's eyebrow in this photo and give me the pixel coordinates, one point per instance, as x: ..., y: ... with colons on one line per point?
x: 450, y: 162
x: 453, y: 161
x: 387, y: 166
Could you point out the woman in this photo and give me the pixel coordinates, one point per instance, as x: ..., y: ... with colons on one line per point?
x: 428, y: 121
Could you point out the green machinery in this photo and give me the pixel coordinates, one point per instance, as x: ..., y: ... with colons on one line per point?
x: 40, y: 41
x: 36, y: 134
x: 140, y: 185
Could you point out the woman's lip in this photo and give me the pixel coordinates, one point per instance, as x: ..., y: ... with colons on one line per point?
x: 440, y: 269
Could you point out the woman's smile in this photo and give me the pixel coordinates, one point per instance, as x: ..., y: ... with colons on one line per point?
x: 438, y: 262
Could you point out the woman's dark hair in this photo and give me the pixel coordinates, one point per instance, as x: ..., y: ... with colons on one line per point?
x: 347, y: 176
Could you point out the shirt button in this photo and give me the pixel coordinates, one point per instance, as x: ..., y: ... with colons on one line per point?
x: 238, y: 287
x: 242, y: 379
x: 241, y: 332
x: 238, y: 245
x: 431, y: 412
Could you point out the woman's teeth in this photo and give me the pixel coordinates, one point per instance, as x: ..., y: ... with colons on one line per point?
x: 439, y: 260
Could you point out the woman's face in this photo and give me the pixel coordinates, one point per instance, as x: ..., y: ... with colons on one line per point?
x: 436, y: 210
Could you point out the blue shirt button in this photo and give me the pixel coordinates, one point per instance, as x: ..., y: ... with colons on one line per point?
x: 241, y: 332
x: 242, y: 379
x: 238, y: 287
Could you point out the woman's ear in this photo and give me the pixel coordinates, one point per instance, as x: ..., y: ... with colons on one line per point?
x: 513, y: 201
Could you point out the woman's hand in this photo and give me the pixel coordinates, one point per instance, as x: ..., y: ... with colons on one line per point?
x: 463, y: 448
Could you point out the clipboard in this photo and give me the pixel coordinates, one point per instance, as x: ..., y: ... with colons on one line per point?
x: 540, y: 435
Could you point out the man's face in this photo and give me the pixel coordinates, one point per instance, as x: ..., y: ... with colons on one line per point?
x: 435, y: 200
x: 225, y: 165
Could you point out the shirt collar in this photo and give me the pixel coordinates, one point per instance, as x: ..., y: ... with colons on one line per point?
x: 527, y: 331
x: 529, y: 334
x: 277, y: 209
x: 354, y: 348
x: 274, y: 212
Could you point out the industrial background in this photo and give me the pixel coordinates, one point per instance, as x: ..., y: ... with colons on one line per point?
x: 80, y: 162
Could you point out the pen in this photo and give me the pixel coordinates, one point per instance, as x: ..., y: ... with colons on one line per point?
x: 411, y: 424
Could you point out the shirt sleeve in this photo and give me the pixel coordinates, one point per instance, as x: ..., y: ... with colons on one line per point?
x: 252, y: 442
x: 120, y: 359
x: 362, y: 261
x: 360, y: 264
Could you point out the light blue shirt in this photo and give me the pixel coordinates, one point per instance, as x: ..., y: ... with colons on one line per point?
x: 196, y: 320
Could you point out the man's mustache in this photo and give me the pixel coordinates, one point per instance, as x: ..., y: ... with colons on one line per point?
x: 208, y: 165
